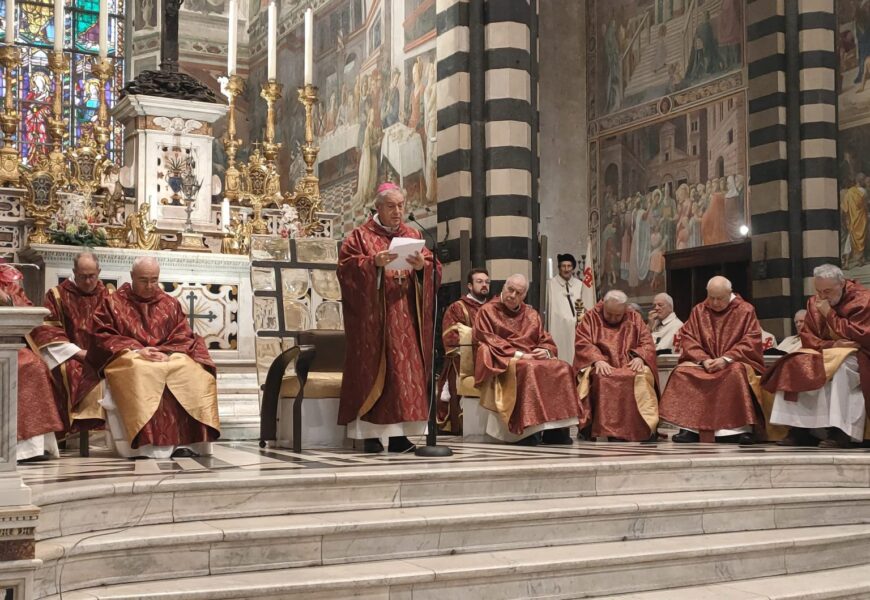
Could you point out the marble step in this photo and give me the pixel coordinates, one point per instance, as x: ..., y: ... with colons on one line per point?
x: 278, y: 542
x: 573, y: 571
x: 252, y: 489
x: 849, y: 583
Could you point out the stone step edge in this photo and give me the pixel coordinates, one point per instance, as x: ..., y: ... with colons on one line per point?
x: 826, y: 584
x: 381, y: 474
x: 493, y: 515
x: 512, y: 564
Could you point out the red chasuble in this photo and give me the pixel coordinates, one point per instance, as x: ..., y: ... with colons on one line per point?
x: 706, y: 401
x: 70, y: 320
x: 849, y: 319
x: 38, y: 407
x: 614, y: 406
x: 545, y: 389
x: 462, y: 312
x: 388, y: 353
x: 125, y: 322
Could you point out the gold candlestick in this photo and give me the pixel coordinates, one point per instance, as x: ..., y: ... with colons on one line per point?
x: 10, y: 159
x: 271, y: 92
x: 306, y: 195
x: 57, y: 125
x: 232, y: 183
x: 103, y: 69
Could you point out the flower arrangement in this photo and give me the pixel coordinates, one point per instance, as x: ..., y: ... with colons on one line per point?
x: 75, y: 224
x: 289, y: 224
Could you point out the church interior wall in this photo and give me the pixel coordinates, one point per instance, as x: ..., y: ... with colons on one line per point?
x: 563, y: 139
x: 667, y: 161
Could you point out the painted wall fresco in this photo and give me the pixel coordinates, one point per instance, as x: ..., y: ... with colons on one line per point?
x: 375, y: 70
x: 670, y: 185
x: 645, y: 49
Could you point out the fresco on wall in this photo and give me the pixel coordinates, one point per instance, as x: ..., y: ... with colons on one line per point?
x: 377, y: 116
x: 671, y: 185
x: 853, y: 20
x: 854, y: 169
x: 645, y: 49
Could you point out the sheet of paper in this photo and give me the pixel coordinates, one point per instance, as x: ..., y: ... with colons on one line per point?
x: 404, y: 247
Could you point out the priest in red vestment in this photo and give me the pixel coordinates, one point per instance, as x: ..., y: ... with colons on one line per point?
x: 457, y: 321
x: 162, y: 393
x: 823, y: 389
x: 519, y: 381
x: 615, y: 358
x: 63, y: 341
x: 715, y: 389
x: 39, y: 415
x: 388, y: 327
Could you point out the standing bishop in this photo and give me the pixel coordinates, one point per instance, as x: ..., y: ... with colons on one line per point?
x: 715, y: 388
x: 389, y: 329
x: 823, y: 388
x: 65, y: 336
x: 518, y: 378
x: 162, y: 394
x: 455, y: 333
x: 39, y: 416
x: 616, y: 362
x: 563, y: 292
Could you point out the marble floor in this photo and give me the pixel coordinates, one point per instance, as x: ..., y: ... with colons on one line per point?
x: 247, y: 457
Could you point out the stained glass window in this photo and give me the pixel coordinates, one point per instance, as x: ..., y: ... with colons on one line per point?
x: 81, y: 90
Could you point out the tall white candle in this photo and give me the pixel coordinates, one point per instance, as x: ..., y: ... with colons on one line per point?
x: 225, y: 215
x: 232, y: 37
x: 272, y: 40
x: 104, y: 28
x: 153, y: 209
x: 309, y: 46
x: 58, y: 25
x: 10, y: 21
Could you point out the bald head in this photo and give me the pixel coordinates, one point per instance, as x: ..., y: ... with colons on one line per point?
x: 145, y: 276
x: 514, y: 291
x: 86, y: 271
x: 718, y: 293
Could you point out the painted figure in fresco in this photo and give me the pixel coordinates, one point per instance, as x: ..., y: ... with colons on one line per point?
x: 613, y: 94
x: 368, y: 164
x: 705, y: 59
x: 730, y: 33
x: 430, y: 113
x: 392, y: 101
x: 862, y: 37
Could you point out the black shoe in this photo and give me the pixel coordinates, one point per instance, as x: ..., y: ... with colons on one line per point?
x: 35, y: 459
x: 797, y: 437
x: 183, y: 453
x: 560, y: 436
x: 684, y: 436
x: 532, y: 440
x: 372, y: 446
x: 400, y: 444
x: 746, y: 439
x: 652, y: 439
x: 585, y: 434
x: 728, y: 439
x: 615, y: 439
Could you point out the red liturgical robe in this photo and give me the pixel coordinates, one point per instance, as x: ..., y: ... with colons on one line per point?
x: 527, y: 392
x: 725, y: 399
x: 125, y: 322
x: 70, y: 321
x: 38, y: 407
x: 388, y: 353
x: 618, y: 399
x: 463, y: 311
x: 849, y: 319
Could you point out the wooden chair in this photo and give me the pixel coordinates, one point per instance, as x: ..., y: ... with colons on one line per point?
x: 319, y: 358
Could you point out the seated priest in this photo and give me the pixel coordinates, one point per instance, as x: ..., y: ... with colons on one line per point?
x: 458, y: 315
x: 714, y: 390
x: 518, y: 377
x: 39, y: 415
x: 162, y: 395
x: 388, y: 327
x: 664, y: 323
x: 615, y: 359
x: 823, y: 388
x: 793, y: 343
x: 63, y: 341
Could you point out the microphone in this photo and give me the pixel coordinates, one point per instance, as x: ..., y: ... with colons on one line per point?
x: 419, y: 225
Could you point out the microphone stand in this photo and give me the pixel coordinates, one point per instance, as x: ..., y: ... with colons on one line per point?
x: 431, y: 449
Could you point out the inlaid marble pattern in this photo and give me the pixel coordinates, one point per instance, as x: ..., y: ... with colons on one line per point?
x: 244, y: 457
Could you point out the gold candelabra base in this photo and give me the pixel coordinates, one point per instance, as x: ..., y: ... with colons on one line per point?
x: 192, y: 242
x: 10, y: 159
